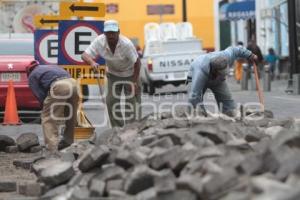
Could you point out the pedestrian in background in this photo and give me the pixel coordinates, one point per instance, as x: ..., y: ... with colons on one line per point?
x: 58, y: 94
x: 238, y: 65
x: 271, y: 59
x: 253, y: 47
x: 123, y: 68
x: 209, y: 71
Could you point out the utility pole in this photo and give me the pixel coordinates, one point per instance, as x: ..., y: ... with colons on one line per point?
x: 184, y: 16
x: 293, y: 46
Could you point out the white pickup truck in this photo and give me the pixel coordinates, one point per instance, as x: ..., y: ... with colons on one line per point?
x: 168, y: 61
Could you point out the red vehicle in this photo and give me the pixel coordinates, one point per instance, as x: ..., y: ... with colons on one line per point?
x: 15, y: 55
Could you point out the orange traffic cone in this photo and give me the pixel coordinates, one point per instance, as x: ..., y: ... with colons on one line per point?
x: 11, y: 116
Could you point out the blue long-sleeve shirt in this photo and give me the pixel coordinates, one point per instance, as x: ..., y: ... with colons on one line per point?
x: 200, y: 70
x: 41, y: 78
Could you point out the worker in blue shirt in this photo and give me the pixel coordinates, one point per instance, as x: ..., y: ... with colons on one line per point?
x: 58, y: 94
x: 209, y: 71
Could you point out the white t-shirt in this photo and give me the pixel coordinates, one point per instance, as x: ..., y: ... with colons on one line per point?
x: 121, y: 63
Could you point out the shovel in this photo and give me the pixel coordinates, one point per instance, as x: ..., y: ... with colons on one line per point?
x: 259, y: 91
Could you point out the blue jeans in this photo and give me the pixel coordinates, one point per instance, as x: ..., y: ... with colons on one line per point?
x: 222, y: 95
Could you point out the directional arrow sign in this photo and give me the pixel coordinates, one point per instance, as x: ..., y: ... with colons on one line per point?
x: 43, y: 21
x: 82, y: 9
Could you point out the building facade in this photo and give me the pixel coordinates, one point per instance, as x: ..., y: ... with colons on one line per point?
x: 17, y: 15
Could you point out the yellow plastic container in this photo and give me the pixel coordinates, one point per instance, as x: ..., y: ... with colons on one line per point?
x: 82, y: 133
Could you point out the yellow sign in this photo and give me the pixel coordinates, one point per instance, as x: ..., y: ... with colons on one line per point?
x: 85, y: 74
x: 82, y: 9
x: 42, y: 21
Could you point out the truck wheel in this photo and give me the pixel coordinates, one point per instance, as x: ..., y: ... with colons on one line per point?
x: 151, y: 89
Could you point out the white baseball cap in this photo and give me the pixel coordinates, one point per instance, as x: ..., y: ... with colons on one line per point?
x: 111, y: 26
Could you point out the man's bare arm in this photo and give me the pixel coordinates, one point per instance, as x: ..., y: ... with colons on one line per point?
x: 89, y: 60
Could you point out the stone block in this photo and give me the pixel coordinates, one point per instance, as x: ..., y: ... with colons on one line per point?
x: 80, y: 193
x: 165, y: 181
x: 127, y: 159
x: 6, y: 141
x: 96, y: 156
x: 36, y: 149
x: 61, y: 173
x: 220, y: 184
x: 110, y: 172
x: 97, y: 188
x: 177, y: 195
x: 11, y: 149
x: 148, y: 139
x: 164, y: 142
x: 114, y: 184
x: 27, y: 140
x: 26, y: 163
x: 149, y: 194
x: 191, y: 183
x: 140, y: 179
x: 31, y: 189
x: 42, y: 164
x: 8, y: 186
x: 50, y: 194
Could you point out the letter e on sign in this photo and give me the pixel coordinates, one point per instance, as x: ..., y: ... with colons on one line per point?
x: 46, y: 46
x: 74, y: 39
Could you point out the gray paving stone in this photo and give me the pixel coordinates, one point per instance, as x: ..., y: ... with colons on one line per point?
x: 31, y: 189
x: 165, y: 181
x: 27, y: 140
x: 149, y: 194
x: 61, y: 173
x: 36, y: 149
x: 8, y: 186
x: 177, y: 195
x: 110, y: 172
x: 220, y: 184
x: 26, y: 163
x: 164, y: 142
x: 127, y: 159
x: 93, y: 158
x: 50, y: 194
x: 80, y: 193
x: 97, y: 188
x: 11, y: 149
x: 191, y: 183
x: 114, y: 184
x: 140, y: 179
x: 6, y: 141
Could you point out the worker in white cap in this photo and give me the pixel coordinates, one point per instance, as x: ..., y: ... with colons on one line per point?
x: 123, y: 67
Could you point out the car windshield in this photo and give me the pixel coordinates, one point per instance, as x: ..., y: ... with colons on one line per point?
x: 16, y: 47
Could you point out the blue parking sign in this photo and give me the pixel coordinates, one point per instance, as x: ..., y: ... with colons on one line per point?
x: 74, y: 37
x: 46, y: 46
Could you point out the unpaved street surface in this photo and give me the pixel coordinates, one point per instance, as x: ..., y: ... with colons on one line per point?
x: 8, y: 172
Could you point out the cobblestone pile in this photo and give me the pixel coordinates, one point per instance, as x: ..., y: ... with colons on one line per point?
x: 166, y: 158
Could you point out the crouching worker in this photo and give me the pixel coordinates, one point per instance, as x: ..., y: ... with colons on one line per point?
x: 58, y: 94
x: 209, y: 71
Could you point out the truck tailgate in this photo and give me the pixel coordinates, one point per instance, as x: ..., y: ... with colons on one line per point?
x: 173, y: 63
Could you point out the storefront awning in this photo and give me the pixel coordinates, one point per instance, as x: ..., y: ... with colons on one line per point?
x: 238, y: 10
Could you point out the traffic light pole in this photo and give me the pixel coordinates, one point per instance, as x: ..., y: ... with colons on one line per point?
x: 293, y: 46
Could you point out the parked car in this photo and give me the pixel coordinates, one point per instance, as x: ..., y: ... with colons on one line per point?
x: 15, y: 55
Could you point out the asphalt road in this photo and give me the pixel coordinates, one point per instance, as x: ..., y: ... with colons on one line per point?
x: 169, y: 97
